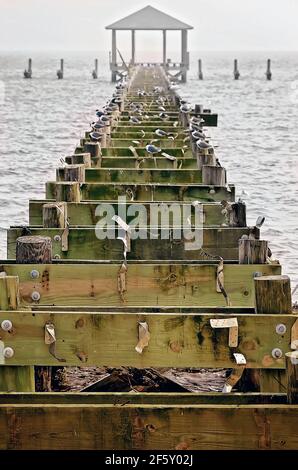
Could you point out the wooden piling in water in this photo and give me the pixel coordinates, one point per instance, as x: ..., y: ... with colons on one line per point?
x: 236, y: 70
x: 60, y: 72
x: 95, y: 70
x: 268, y: 71
x: 28, y: 72
x: 200, y: 70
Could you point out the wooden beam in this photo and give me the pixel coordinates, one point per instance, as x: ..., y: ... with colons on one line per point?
x: 83, y: 213
x: 176, y: 340
x: 171, y: 176
x: 147, y: 192
x: 146, y: 284
x: 84, y: 244
x: 147, y: 398
x: 137, y: 427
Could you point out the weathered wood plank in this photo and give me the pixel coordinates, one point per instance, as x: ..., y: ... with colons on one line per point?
x: 148, y: 398
x: 170, y: 176
x: 128, y: 427
x: 146, y: 284
x: 84, y: 244
x: 149, y: 192
x: 81, y: 214
x: 176, y: 340
x: 142, y: 152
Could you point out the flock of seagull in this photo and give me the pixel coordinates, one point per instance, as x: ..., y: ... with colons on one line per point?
x: 138, y: 113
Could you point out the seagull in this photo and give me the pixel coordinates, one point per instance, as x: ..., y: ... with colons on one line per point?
x: 95, y: 135
x: 161, y: 108
x: 202, y: 144
x: 134, y: 120
x: 217, y: 162
x: 152, y: 149
x: 104, y: 119
x: 197, y: 135
x: 98, y: 125
x: 185, y: 108
x: 99, y: 113
x: 161, y: 133
x: 164, y: 116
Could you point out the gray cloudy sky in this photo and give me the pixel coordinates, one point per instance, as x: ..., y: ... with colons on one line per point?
x: 79, y: 24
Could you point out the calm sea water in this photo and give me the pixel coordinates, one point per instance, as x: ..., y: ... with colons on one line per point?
x: 41, y: 120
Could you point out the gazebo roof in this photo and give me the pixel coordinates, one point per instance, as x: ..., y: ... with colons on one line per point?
x: 149, y: 18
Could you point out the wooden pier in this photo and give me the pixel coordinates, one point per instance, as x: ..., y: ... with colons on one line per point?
x: 70, y: 297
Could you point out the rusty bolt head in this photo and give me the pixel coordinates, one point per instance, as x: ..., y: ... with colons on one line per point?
x: 57, y: 238
x: 276, y: 353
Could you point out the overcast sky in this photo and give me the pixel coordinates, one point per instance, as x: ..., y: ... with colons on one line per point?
x: 79, y: 24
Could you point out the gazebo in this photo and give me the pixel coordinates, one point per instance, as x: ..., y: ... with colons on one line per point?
x: 150, y: 19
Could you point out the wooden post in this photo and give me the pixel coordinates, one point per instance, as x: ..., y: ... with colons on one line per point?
x: 205, y: 159
x: 54, y: 215
x: 273, y: 294
x: 60, y: 72
x: 34, y: 250
x: 9, y: 293
x: 71, y: 173
x: 28, y: 72
x: 292, y: 377
x: 253, y: 251
x: 95, y: 152
x: 214, y: 175
x: 79, y: 159
x: 164, y: 49
x: 68, y: 192
x: 133, y: 47
x: 114, y: 56
x: 236, y: 71
x: 200, y: 71
x: 13, y: 378
x: 95, y: 71
x: 184, y: 55
x: 235, y: 213
x: 268, y: 71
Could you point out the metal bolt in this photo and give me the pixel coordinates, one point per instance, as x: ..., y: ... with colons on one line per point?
x: 280, y: 329
x: 6, y: 325
x: 57, y: 238
x: 34, y: 274
x: 257, y: 274
x: 35, y: 296
x: 8, y: 352
x: 276, y: 353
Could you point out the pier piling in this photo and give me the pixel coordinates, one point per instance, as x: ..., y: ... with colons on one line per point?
x: 60, y: 72
x: 236, y: 70
x: 28, y: 72
x: 268, y: 71
x: 95, y: 71
x: 200, y: 71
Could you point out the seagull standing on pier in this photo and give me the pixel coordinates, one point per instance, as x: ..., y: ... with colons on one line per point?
x: 152, y: 149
